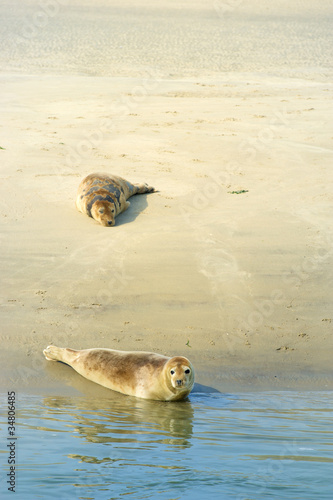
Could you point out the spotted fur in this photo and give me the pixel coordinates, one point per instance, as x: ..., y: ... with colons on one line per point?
x: 103, y: 196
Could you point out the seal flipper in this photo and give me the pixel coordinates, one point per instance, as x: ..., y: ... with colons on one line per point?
x: 144, y: 188
x: 53, y: 353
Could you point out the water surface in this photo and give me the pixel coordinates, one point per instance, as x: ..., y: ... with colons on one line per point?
x: 272, y: 445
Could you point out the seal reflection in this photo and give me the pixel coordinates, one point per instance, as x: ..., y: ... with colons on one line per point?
x: 126, y: 421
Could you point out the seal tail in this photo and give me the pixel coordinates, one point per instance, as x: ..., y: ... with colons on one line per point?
x: 143, y: 188
x: 53, y: 353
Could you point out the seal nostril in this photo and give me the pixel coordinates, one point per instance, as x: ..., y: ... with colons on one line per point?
x: 179, y: 382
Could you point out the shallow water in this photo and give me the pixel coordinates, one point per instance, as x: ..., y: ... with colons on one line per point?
x: 238, y: 446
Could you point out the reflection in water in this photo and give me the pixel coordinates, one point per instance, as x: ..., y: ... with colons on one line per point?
x: 106, y: 446
x: 123, y: 419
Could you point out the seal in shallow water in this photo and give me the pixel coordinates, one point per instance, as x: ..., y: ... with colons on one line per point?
x: 103, y: 196
x: 141, y: 374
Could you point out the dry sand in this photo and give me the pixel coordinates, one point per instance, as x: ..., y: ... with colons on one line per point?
x: 225, y: 108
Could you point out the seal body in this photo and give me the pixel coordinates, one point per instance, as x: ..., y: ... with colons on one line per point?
x: 141, y: 374
x: 103, y: 196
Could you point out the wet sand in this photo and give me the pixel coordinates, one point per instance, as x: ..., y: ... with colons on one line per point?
x: 230, y: 262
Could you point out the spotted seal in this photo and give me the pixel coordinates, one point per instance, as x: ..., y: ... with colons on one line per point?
x: 103, y: 196
x: 135, y: 373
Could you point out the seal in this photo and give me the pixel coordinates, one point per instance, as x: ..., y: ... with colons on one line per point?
x: 103, y: 196
x: 135, y: 373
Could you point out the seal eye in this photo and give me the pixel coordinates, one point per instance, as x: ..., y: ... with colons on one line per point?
x: 187, y: 371
x: 172, y: 372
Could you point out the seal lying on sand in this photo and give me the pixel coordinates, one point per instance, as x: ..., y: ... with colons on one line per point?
x: 103, y: 196
x: 141, y: 374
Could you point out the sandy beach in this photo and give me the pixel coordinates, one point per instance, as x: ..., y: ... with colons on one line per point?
x: 225, y: 108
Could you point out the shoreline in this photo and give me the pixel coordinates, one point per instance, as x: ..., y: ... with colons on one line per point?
x: 159, y: 290
x: 230, y: 262
x: 214, y: 287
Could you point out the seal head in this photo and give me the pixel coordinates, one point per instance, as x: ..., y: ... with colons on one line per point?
x: 103, y: 213
x: 179, y: 377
